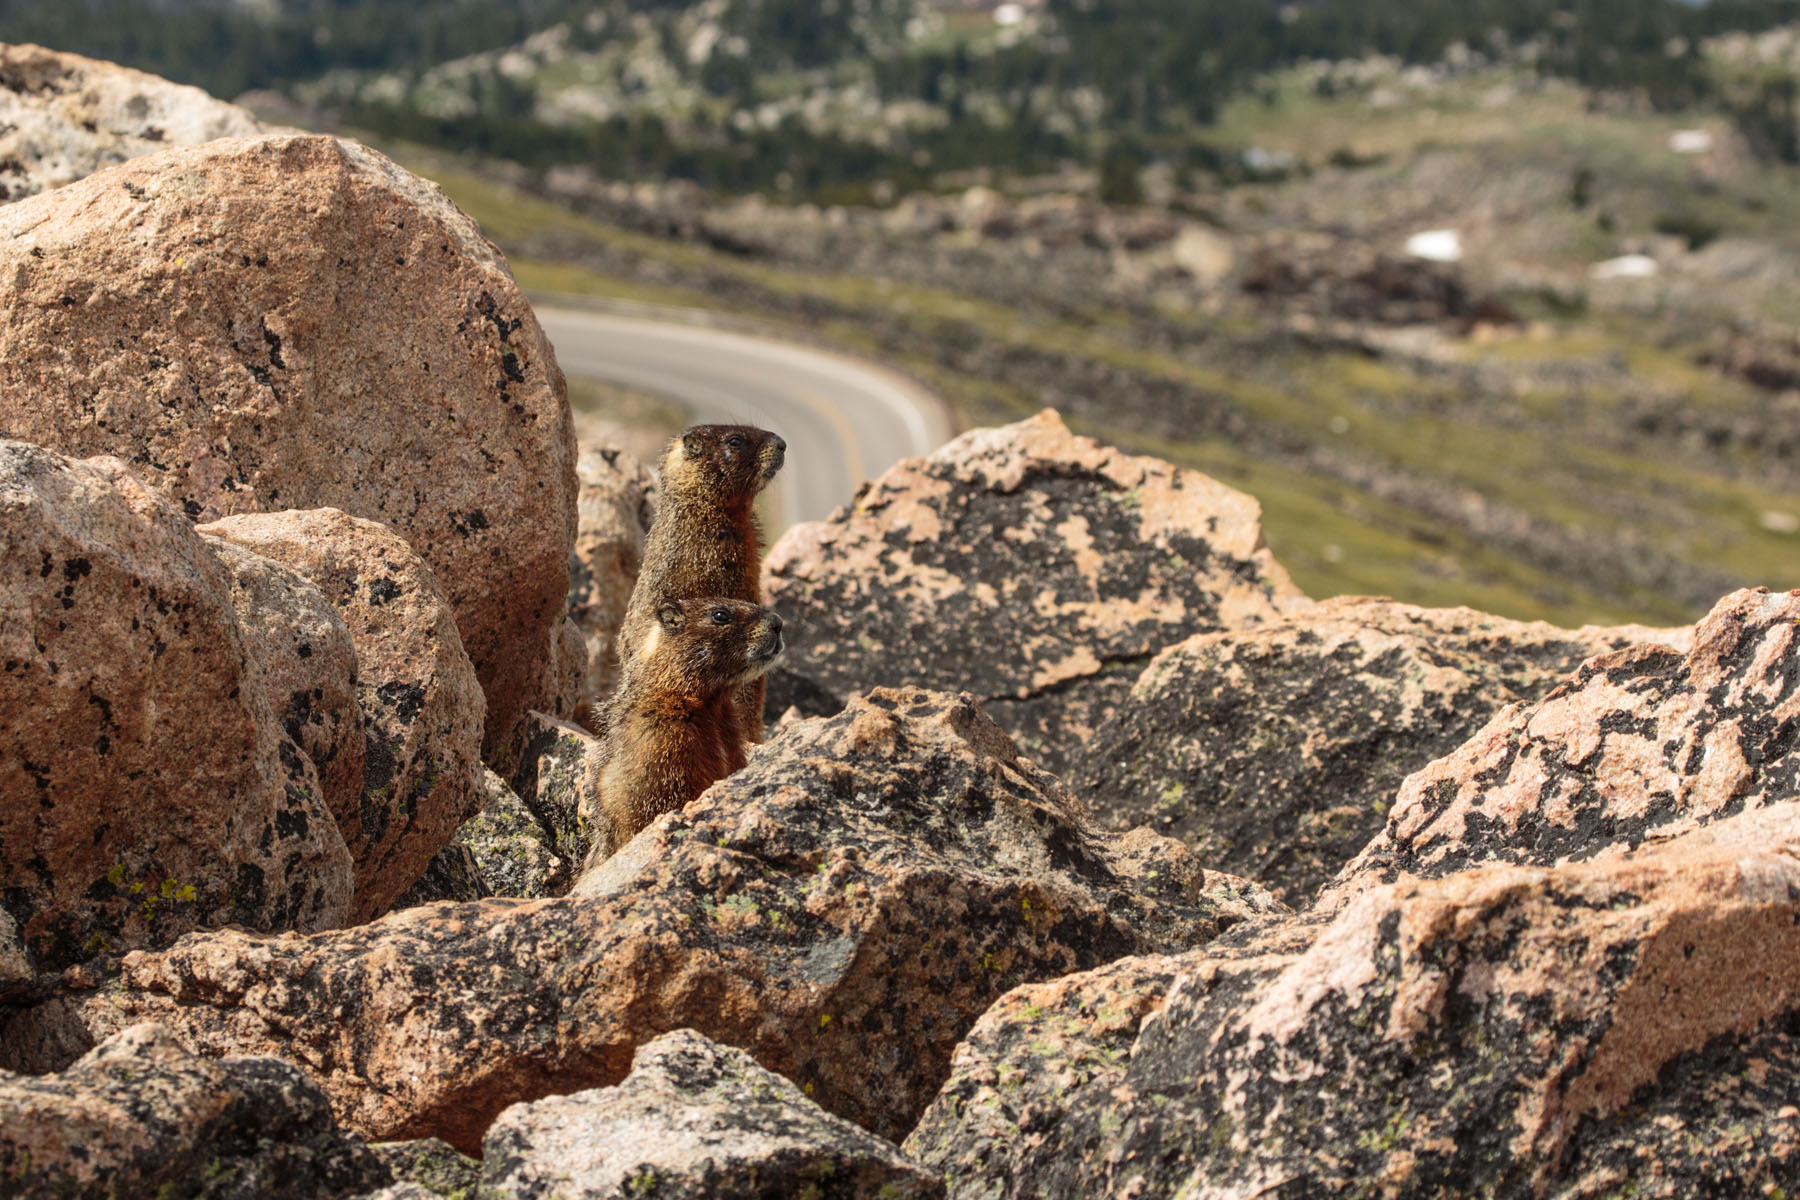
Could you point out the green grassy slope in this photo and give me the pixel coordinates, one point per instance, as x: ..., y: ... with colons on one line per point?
x: 1335, y: 535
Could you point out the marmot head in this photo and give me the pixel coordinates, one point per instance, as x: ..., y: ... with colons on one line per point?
x: 704, y: 647
x: 727, y: 462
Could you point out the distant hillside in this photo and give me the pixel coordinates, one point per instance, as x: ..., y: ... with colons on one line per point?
x: 1502, y: 316
x: 830, y: 99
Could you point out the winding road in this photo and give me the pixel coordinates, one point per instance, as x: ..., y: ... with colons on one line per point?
x: 844, y: 420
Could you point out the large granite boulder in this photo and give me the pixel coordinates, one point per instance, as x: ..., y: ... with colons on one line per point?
x: 1602, y: 1028
x: 844, y: 908
x: 146, y: 786
x: 693, y: 1121
x: 421, y: 707
x: 295, y: 322
x: 63, y: 117
x: 1645, y: 743
x: 1275, y: 752
x: 140, y: 1116
x: 1033, y: 568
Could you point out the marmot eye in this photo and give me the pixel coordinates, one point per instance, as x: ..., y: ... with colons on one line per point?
x: 735, y: 441
x: 721, y: 616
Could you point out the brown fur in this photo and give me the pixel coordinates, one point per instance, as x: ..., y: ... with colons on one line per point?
x: 670, y: 728
x: 706, y: 539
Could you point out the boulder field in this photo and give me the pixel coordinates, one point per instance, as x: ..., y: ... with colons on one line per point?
x: 1085, y: 856
x: 291, y: 322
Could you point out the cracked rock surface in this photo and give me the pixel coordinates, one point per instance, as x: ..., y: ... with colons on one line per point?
x: 1568, y: 967
x: 1641, y: 744
x: 1504, y: 1031
x: 306, y: 660
x: 1036, y: 569
x: 844, y: 908
x: 1275, y: 752
x: 140, y: 1116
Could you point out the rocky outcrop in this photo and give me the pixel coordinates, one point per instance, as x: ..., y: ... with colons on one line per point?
x: 843, y: 908
x: 295, y: 322
x: 63, y: 117
x: 146, y: 787
x: 1500, y: 1031
x: 140, y: 1116
x: 616, y: 504
x: 421, y: 704
x: 693, y: 1119
x: 1641, y: 744
x: 1347, y: 279
x: 1036, y: 569
x: 1275, y: 752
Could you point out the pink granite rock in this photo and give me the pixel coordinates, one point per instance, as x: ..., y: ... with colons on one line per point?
x: 421, y: 705
x: 1276, y: 751
x: 843, y: 908
x: 1033, y: 568
x: 1614, y: 1027
x: 1644, y: 743
x: 295, y: 322
x: 146, y: 786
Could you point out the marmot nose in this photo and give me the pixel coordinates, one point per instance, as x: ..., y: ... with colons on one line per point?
x: 778, y: 442
x: 775, y: 622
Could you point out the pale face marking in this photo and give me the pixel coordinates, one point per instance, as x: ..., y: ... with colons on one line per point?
x: 652, y: 640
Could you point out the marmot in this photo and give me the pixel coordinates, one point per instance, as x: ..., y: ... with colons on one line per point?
x: 706, y: 540
x: 670, y: 732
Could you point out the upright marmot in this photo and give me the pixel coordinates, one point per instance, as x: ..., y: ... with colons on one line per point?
x: 706, y: 539
x: 670, y: 730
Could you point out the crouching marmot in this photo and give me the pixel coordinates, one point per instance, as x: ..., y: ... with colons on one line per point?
x: 670, y: 728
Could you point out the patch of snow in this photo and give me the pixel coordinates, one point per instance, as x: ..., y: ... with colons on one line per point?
x: 1776, y: 521
x: 700, y: 46
x: 1261, y: 159
x: 1690, y: 141
x: 1626, y: 266
x: 1436, y: 245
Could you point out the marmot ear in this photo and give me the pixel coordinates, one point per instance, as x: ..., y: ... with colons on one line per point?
x: 672, y: 617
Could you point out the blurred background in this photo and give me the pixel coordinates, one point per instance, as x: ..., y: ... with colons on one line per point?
x: 1491, y: 303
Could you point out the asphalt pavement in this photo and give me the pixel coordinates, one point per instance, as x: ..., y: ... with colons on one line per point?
x: 844, y: 420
